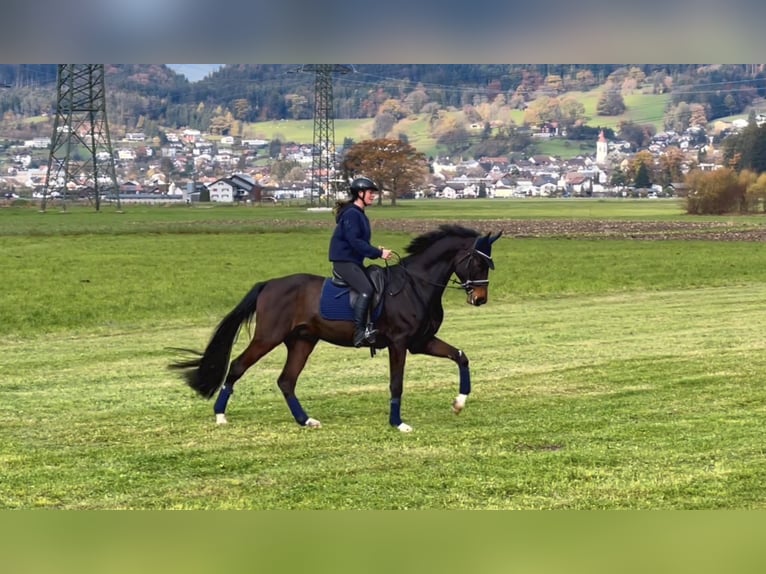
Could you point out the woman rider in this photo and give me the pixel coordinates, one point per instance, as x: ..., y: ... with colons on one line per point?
x: 349, y: 245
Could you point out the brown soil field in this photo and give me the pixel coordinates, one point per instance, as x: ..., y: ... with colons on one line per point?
x: 596, y: 229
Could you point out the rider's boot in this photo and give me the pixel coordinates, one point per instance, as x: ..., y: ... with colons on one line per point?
x: 363, y: 333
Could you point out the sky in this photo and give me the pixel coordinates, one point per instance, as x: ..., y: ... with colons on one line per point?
x: 194, y: 72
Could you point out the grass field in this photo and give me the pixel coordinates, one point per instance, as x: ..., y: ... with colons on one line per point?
x: 607, y: 373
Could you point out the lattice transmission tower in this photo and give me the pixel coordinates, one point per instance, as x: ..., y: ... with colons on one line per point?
x: 323, y: 158
x: 81, y: 148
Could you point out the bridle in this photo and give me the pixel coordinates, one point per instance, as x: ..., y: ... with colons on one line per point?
x: 468, y: 285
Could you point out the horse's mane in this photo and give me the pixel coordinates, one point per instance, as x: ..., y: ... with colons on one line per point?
x: 422, y: 242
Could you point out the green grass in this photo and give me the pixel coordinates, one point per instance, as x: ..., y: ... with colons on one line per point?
x: 607, y: 374
x: 564, y: 148
x: 641, y: 108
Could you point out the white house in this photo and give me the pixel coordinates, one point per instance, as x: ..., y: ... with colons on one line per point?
x: 221, y: 191
x: 38, y: 143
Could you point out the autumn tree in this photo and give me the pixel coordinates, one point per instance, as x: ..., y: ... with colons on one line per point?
x: 241, y: 112
x: 755, y: 193
x: 571, y: 111
x: 451, y: 132
x: 716, y: 192
x: 542, y: 110
x: 585, y: 79
x: 281, y: 169
x: 610, y: 103
x: 554, y: 82
x: 396, y: 166
x: 671, y: 164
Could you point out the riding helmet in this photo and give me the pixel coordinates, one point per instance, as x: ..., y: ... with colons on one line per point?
x: 362, y: 184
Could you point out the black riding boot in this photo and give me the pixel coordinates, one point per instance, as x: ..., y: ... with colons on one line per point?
x: 362, y: 332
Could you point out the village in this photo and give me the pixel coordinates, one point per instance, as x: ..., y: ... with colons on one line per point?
x: 187, y: 165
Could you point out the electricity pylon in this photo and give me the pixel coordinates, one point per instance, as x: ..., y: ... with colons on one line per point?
x: 323, y: 152
x: 81, y: 148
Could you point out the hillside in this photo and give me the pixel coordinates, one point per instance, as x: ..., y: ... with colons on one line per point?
x: 433, y: 106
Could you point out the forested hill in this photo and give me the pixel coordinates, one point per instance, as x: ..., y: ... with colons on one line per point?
x: 257, y: 92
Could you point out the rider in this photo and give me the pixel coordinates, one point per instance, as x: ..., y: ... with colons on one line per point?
x: 349, y: 245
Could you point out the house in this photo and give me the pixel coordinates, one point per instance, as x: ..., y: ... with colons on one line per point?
x: 238, y: 187
x: 222, y: 191
x: 38, y: 143
x: 131, y: 187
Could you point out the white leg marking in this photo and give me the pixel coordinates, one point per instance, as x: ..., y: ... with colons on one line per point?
x: 404, y: 427
x: 459, y: 404
x: 312, y: 423
x: 220, y: 419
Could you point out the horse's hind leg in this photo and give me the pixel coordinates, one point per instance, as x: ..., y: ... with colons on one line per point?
x: 298, y: 351
x: 255, y: 350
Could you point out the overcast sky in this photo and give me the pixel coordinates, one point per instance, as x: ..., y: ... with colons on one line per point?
x: 194, y: 72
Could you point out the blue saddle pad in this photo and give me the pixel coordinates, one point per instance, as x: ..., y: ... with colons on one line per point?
x: 335, y: 304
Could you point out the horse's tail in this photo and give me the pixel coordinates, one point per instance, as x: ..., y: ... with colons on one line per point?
x: 206, y: 374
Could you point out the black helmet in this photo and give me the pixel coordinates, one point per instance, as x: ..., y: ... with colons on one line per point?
x: 362, y: 184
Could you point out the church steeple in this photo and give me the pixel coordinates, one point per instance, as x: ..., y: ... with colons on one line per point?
x: 602, y: 148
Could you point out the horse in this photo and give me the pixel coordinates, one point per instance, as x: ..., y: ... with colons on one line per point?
x: 407, y: 310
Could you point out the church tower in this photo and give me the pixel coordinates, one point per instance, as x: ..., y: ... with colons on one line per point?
x: 601, y: 149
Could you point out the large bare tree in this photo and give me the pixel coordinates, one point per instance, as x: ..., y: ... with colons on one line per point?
x: 394, y: 165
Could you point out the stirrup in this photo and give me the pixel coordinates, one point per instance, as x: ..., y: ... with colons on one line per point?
x: 366, y: 337
x: 370, y: 333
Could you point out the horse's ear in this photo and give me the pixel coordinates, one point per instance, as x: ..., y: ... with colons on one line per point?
x: 493, y: 238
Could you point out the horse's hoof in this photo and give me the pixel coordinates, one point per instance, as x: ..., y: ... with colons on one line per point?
x: 404, y: 427
x: 312, y: 423
x: 220, y: 419
x: 458, y: 404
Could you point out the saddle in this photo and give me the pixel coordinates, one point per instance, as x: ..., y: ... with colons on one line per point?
x: 377, y: 278
x: 338, y: 298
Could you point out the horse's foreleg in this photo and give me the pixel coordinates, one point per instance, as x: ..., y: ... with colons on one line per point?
x: 237, y: 368
x: 298, y: 351
x: 396, y: 359
x: 438, y: 348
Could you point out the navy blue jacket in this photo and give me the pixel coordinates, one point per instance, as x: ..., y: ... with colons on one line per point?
x: 351, y: 239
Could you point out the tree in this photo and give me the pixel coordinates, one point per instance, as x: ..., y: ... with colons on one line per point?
x: 280, y: 169
x: 642, y: 180
x: 572, y: 112
x: 395, y: 165
x: 275, y: 148
x: 746, y: 150
x: 618, y: 178
x: 716, y: 192
x: 643, y: 159
x: 639, y: 135
x: 610, y: 103
x: 384, y: 123
x: 671, y: 164
x: 241, y: 112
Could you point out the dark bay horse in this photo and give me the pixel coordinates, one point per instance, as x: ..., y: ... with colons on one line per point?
x: 287, y: 311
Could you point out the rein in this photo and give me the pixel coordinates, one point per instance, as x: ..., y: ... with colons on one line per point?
x: 453, y: 283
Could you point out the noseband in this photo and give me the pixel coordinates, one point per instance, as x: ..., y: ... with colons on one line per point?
x: 469, y: 284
